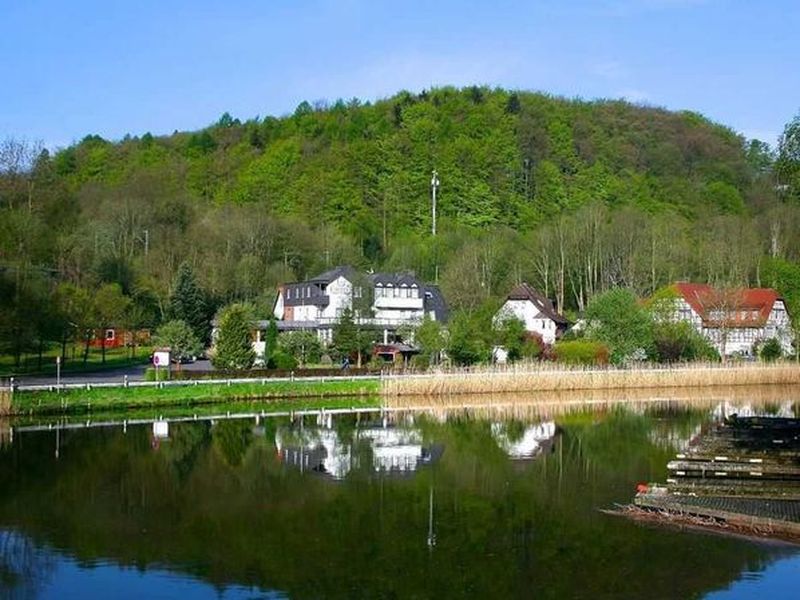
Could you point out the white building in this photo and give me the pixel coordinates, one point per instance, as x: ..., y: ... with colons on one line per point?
x: 734, y: 321
x: 535, y: 311
x: 395, y: 299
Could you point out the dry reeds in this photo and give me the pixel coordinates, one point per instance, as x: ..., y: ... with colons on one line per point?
x: 5, y: 401
x: 558, y: 378
x: 555, y: 404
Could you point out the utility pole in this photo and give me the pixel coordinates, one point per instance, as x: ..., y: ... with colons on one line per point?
x: 146, y: 241
x: 434, y: 187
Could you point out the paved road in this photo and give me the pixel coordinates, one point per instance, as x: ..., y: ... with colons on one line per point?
x: 134, y: 373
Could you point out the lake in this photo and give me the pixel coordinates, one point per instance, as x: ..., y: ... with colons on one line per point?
x: 446, y: 504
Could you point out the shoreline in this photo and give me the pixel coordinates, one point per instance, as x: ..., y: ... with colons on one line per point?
x: 440, y: 387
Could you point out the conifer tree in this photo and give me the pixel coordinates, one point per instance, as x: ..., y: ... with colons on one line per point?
x: 234, y: 348
x: 187, y: 303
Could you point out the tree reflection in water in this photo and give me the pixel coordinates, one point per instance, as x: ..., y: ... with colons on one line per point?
x: 453, y: 506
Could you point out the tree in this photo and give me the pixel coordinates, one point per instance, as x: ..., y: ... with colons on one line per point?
x: 430, y: 339
x: 349, y: 340
x: 179, y: 338
x: 511, y: 334
x: 618, y: 320
x: 233, y: 350
x: 304, y: 346
x: 787, y: 167
x: 467, y: 343
x: 110, y: 308
x: 771, y: 350
x: 187, y: 303
x: 270, y: 339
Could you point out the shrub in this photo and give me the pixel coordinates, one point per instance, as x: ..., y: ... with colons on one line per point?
x: 581, y: 352
x: 771, y: 350
x: 282, y: 360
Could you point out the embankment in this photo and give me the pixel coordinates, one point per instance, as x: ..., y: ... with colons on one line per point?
x: 542, y: 378
x: 98, y: 399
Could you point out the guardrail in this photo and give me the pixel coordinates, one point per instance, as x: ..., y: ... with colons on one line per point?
x: 185, y: 382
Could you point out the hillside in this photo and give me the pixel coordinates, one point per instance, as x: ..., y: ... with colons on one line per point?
x: 571, y: 196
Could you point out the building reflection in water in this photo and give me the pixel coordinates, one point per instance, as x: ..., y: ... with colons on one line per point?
x: 393, y: 450
x: 525, y: 442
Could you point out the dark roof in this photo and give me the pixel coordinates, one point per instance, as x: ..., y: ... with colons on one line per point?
x: 345, y: 271
x: 395, y: 279
x: 539, y: 300
x: 434, y: 301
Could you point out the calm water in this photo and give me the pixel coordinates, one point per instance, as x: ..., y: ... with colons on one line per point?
x: 452, y: 505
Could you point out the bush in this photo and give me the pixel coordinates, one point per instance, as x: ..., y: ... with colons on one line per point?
x: 581, y: 352
x: 282, y: 360
x: 771, y: 350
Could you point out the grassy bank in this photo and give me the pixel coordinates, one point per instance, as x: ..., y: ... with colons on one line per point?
x: 117, y: 398
x: 546, y: 378
x: 115, y: 358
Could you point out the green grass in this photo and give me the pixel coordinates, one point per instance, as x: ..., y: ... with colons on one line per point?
x: 206, y: 410
x: 115, y: 358
x: 105, y: 399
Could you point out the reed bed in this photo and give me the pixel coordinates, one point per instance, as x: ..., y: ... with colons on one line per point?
x: 550, y: 378
x: 5, y: 401
x: 555, y: 404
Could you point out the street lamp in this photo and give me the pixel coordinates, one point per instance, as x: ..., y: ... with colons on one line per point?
x: 434, y: 187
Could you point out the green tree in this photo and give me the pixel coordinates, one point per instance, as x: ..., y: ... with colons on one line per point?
x: 467, y: 343
x: 187, y: 303
x: 349, y: 339
x: 787, y: 166
x: 110, y: 309
x: 270, y: 339
x: 304, y: 346
x: 179, y: 338
x: 430, y: 339
x: 618, y: 320
x: 771, y: 350
x: 233, y: 349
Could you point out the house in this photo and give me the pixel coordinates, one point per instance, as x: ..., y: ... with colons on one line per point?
x: 116, y: 337
x: 535, y: 310
x: 388, y: 301
x: 734, y: 321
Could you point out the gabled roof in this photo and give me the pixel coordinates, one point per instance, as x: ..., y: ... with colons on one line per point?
x: 433, y: 300
x: 740, y: 303
x: 333, y: 274
x: 539, y: 300
x: 395, y: 279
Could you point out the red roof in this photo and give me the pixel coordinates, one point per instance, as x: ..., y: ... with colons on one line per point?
x: 739, y: 303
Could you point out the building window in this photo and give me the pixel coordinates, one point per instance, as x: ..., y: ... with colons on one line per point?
x: 110, y: 335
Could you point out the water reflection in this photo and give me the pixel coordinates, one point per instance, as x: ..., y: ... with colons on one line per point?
x: 471, y: 501
x: 392, y: 450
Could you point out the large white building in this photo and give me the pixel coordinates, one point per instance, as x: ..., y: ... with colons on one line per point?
x: 535, y: 310
x: 734, y: 321
x: 392, y: 301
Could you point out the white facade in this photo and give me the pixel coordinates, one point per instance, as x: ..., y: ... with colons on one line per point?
x: 736, y: 337
x: 535, y: 321
x: 398, y: 299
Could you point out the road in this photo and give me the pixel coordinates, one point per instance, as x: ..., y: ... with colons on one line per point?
x: 134, y: 373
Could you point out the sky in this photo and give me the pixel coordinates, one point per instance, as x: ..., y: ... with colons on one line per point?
x: 109, y: 67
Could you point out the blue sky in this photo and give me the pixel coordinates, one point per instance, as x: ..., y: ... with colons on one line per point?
x: 111, y: 67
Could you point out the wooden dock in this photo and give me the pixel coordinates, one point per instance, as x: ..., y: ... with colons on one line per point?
x: 743, y: 475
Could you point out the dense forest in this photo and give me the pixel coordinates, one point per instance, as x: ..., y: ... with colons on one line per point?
x: 574, y: 197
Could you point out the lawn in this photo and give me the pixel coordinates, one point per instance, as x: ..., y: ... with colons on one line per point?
x: 113, y: 398
x: 30, y: 364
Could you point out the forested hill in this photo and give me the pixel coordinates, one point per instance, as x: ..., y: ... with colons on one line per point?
x: 507, y: 158
x: 572, y: 196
